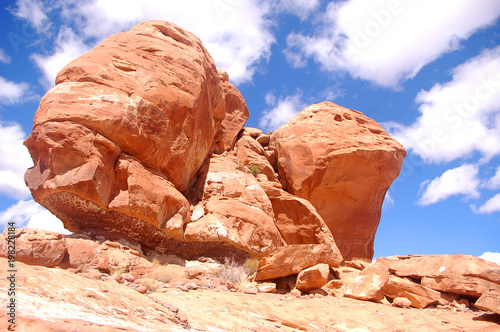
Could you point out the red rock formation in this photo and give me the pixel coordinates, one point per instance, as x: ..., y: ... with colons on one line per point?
x: 292, y: 259
x: 457, y: 274
x: 343, y: 163
x: 125, y: 130
x: 419, y: 295
x: 35, y: 247
x: 313, y: 277
x: 236, y: 113
x: 369, y: 286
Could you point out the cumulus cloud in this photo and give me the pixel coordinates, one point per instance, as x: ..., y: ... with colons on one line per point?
x: 283, y: 109
x: 388, y: 201
x: 491, y: 205
x: 12, y: 93
x: 14, y: 162
x: 238, y: 48
x: 68, y: 46
x: 33, y: 11
x: 462, y: 180
x: 300, y: 8
x: 379, y: 40
x: 459, y: 117
x: 29, y: 214
x: 491, y: 257
x: 494, y: 182
x: 4, y: 58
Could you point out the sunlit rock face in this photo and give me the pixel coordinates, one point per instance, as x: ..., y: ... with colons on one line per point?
x: 343, y: 163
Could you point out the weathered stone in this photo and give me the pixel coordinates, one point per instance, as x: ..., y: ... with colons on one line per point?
x: 419, y: 296
x: 313, y: 277
x: 296, y: 218
x: 87, y: 254
x: 471, y: 286
x: 251, y: 154
x: 254, y: 132
x: 419, y: 266
x: 343, y: 163
x: 263, y: 139
x: 35, y: 247
x: 266, y: 287
x: 292, y: 259
x: 401, y: 302
x: 236, y: 113
x: 369, y: 285
x: 489, y: 301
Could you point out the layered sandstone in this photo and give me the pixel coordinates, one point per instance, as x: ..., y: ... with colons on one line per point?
x: 343, y: 163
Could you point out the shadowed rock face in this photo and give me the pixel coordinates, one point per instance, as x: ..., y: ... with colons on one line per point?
x: 343, y: 163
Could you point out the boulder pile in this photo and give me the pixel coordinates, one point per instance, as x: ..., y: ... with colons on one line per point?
x: 143, y: 138
x: 451, y: 282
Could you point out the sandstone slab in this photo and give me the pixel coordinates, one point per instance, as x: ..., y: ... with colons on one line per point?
x: 36, y: 247
x: 292, y: 259
x: 369, y: 285
x: 419, y: 296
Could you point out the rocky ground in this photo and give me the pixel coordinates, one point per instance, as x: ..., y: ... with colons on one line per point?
x: 53, y: 299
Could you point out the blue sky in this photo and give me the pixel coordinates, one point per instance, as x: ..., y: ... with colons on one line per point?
x: 428, y: 71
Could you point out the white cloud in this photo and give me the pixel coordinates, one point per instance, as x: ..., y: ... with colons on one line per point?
x: 29, y: 214
x: 387, y: 41
x: 283, y: 110
x: 491, y: 205
x: 68, y: 46
x: 4, y: 58
x: 235, y: 46
x: 33, y: 12
x: 494, y: 182
x: 458, y: 117
x: 388, y: 201
x: 301, y: 8
x: 14, y: 162
x: 12, y: 93
x: 462, y: 180
x: 491, y: 257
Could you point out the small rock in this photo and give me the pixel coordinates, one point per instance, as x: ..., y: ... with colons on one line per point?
x: 128, y: 277
x: 94, y: 274
x: 313, y: 278
x: 464, y: 302
x: 319, y: 292
x: 192, y: 286
x: 251, y: 289
x: 263, y: 139
x: 182, y: 316
x: 268, y: 287
x: 401, y: 302
x: 296, y: 293
x: 116, y: 277
x: 142, y: 289
x: 197, y: 213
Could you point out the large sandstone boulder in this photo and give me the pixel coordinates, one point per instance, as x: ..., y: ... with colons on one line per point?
x: 120, y: 139
x: 35, y: 247
x: 343, y: 163
x: 153, y: 91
